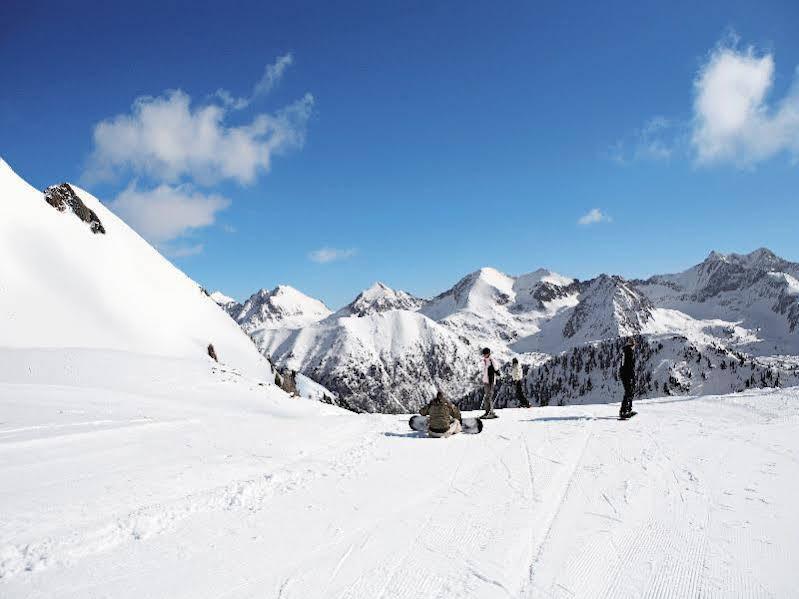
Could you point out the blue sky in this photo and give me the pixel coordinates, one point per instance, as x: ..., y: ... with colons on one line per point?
x: 413, y: 142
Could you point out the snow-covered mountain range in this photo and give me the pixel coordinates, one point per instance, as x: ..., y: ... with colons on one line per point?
x: 387, y: 350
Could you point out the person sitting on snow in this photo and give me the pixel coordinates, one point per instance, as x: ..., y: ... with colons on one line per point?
x: 443, y: 417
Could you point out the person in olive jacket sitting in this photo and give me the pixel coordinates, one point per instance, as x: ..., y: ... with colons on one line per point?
x: 443, y: 417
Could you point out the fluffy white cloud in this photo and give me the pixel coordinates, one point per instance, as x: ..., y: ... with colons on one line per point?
x: 168, y: 139
x: 593, y: 216
x: 733, y: 122
x: 166, y: 213
x: 325, y: 255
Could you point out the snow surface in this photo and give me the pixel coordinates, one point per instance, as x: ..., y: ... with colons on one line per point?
x: 189, y: 480
x: 63, y: 286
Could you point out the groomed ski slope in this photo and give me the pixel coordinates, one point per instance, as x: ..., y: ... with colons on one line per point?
x: 125, y: 481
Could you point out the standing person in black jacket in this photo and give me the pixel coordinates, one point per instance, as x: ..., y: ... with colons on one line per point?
x: 627, y: 375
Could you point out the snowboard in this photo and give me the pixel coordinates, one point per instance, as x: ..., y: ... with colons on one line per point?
x: 627, y: 417
x: 470, y: 426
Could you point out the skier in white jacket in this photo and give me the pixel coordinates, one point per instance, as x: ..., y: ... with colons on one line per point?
x: 490, y: 375
x: 516, y: 375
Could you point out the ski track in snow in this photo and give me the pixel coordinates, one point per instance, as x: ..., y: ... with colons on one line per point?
x: 687, y: 499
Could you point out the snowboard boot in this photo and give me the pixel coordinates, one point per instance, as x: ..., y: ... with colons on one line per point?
x: 489, y: 416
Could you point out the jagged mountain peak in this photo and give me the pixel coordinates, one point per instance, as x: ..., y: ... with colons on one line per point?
x: 477, y: 292
x: 759, y: 259
x: 378, y: 298
x: 280, y: 307
x: 610, y: 306
x: 723, y: 273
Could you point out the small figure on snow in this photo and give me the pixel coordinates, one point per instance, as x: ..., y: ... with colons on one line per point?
x: 516, y: 375
x: 490, y: 375
x: 443, y: 417
x: 627, y: 375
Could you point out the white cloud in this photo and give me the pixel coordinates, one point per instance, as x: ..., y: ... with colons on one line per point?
x: 273, y: 73
x: 167, y: 213
x: 168, y: 139
x: 593, y: 216
x: 733, y: 122
x: 657, y: 140
x: 325, y: 255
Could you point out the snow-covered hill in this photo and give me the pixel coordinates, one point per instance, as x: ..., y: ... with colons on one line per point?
x: 73, y: 275
x: 280, y: 308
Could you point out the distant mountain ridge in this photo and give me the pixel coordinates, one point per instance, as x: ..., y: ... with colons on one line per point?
x: 387, y: 350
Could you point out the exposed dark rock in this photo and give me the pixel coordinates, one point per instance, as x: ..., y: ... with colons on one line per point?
x: 212, y: 352
x: 63, y: 196
x: 546, y: 292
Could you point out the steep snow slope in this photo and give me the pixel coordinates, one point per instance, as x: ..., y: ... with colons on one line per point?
x: 383, y: 361
x: 61, y: 285
x: 281, y: 307
x: 203, y: 485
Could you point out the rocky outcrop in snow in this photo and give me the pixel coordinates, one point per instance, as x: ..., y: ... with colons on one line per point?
x: 62, y: 197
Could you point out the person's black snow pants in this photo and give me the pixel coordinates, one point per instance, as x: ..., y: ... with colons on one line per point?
x: 629, y: 391
x: 520, y: 395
